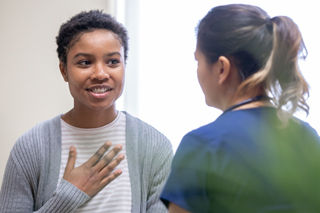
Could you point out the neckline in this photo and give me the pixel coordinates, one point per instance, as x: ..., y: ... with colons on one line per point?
x: 108, y: 125
x: 247, y: 101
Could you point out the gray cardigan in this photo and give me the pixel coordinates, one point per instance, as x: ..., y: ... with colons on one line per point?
x: 31, y: 175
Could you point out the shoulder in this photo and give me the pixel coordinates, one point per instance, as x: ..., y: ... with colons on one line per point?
x: 28, y: 153
x: 221, y: 133
x: 225, y: 124
x: 137, y: 128
x: 134, y: 122
x: 303, y: 128
x: 206, y: 135
x: 42, y: 129
x: 33, y: 139
x: 196, y: 147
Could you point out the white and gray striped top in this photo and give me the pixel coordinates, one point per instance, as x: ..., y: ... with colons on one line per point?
x: 116, y: 196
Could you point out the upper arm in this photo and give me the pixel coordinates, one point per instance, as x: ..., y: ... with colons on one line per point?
x: 16, y: 192
x: 186, y: 185
x: 20, y: 186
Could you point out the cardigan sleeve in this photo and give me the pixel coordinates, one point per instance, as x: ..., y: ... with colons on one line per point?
x: 161, y: 163
x: 66, y: 199
x: 21, y: 180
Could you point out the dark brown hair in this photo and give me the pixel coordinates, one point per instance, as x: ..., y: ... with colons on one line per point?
x: 265, y: 51
x: 86, y: 22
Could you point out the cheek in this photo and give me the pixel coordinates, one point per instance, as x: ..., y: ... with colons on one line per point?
x: 78, y: 76
x: 75, y: 81
x: 206, y: 84
x: 119, y: 75
x: 201, y: 77
x: 77, y: 84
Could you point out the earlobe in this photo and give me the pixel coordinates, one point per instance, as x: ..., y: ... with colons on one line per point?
x: 63, y: 71
x: 224, y: 69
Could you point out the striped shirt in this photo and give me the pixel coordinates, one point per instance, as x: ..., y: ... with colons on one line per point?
x: 116, y: 196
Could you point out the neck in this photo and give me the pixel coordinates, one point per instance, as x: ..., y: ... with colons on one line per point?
x: 248, y: 102
x: 88, y: 118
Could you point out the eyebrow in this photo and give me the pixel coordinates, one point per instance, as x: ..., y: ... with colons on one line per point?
x: 88, y: 55
x: 114, y: 53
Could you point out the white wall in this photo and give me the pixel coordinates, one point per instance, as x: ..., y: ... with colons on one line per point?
x: 169, y: 96
x: 31, y: 87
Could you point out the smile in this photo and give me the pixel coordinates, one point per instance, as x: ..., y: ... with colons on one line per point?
x: 99, y: 90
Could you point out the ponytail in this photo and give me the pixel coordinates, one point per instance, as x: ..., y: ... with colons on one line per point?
x: 281, y: 78
x: 285, y: 81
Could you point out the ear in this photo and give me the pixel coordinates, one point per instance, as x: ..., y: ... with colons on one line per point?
x: 63, y: 71
x: 224, y: 69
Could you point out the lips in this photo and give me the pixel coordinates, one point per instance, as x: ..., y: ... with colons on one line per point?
x: 99, y: 92
x: 99, y: 89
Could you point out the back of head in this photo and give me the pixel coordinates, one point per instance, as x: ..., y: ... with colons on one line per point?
x: 85, y: 22
x: 265, y: 51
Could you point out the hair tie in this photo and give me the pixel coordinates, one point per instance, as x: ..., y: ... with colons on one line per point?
x: 269, y: 24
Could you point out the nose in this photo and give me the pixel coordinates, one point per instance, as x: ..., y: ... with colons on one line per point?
x: 100, y: 73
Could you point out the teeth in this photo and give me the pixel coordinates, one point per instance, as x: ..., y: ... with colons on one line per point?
x: 100, y: 90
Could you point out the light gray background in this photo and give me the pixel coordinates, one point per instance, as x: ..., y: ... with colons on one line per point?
x: 32, y: 89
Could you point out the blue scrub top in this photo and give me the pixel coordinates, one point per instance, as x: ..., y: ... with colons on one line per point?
x: 247, y: 161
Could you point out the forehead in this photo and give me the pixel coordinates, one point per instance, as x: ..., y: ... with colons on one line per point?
x: 99, y: 39
x: 97, y: 32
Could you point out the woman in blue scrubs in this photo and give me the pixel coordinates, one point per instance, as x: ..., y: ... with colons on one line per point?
x: 256, y: 156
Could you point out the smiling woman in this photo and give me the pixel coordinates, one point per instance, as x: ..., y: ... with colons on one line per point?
x: 95, y: 72
x: 60, y: 165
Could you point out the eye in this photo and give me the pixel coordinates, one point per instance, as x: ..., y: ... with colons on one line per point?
x: 113, y: 62
x: 84, y: 63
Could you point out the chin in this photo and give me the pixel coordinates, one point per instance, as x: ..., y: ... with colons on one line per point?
x: 209, y: 103
x: 212, y: 104
x: 100, y: 107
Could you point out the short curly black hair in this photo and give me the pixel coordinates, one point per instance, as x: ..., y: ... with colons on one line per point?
x: 86, y: 22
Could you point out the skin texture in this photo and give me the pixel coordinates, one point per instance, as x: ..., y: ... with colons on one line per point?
x: 96, y: 60
x: 95, y: 74
x: 97, y: 172
x: 220, y: 81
